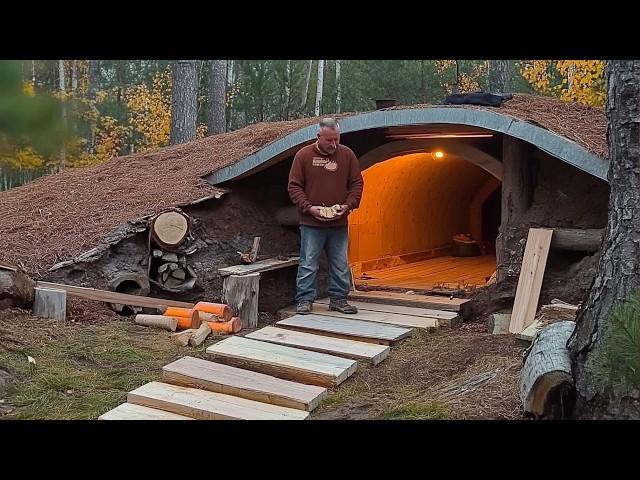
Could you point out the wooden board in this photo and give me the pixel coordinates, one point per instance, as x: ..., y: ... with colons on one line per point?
x: 261, y: 266
x: 241, y: 293
x: 204, y: 405
x: 409, y: 300
x: 319, y: 343
x: 130, y: 411
x: 354, y: 329
x: 534, y: 262
x: 371, y: 316
x: 285, y: 362
x: 220, y: 378
x: 528, y: 333
x: 114, y: 297
x: 397, y: 309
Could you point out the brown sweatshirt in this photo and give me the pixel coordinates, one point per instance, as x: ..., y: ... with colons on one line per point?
x: 319, y: 179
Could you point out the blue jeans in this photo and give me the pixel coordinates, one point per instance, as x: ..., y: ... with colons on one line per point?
x: 313, y: 241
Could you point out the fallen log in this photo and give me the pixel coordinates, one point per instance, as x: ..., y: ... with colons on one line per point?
x: 201, y: 334
x: 158, y: 321
x: 577, y: 239
x: 182, y: 338
x: 546, y: 383
x: 16, y: 288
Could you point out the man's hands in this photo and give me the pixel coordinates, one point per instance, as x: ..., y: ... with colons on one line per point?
x: 316, y: 212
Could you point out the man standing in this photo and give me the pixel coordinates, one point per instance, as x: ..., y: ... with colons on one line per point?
x: 325, y: 174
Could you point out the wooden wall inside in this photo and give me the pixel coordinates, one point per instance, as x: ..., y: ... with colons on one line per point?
x: 412, y: 203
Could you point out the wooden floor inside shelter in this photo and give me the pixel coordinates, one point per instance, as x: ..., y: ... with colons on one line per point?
x: 426, y: 274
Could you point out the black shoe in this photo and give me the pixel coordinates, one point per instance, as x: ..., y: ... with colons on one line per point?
x: 342, y: 306
x: 305, y: 307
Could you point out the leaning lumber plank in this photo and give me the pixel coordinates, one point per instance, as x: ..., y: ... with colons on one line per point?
x: 285, y: 362
x: 378, y: 317
x: 261, y: 266
x: 534, y: 262
x: 319, y: 343
x: 355, y: 329
x: 204, y: 405
x: 130, y: 411
x: 547, y: 369
x: 115, y: 297
x: 220, y: 378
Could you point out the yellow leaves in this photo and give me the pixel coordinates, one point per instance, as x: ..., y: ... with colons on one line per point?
x: 201, y: 131
x: 580, y: 81
x: 27, y: 89
x: 150, y: 111
x: 27, y: 159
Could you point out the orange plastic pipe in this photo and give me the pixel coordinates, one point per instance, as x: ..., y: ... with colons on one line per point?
x: 186, y: 317
x: 219, y: 309
x: 232, y: 326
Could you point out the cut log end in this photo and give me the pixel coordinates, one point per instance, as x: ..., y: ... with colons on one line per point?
x: 170, y: 229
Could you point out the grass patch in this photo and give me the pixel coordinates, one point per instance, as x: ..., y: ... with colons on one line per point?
x: 84, y: 371
x: 417, y: 411
x: 347, y: 391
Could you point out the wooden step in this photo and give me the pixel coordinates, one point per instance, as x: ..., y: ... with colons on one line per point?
x: 130, y: 411
x: 371, y: 332
x: 397, y: 309
x: 285, y: 362
x: 203, y: 405
x: 411, y: 300
x: 220, y: 378
x: 411, y: 321
x: 319, y: 343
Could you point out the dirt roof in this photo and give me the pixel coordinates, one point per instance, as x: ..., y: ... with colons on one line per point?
x: 57, y: 217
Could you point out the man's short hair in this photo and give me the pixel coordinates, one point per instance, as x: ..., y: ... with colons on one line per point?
x: 329, y: 122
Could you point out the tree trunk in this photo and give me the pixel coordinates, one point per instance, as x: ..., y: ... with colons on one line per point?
x: 287, y: 90
x: 63, y: 153
x: 217, y: 92
x: 91, y: 91
x: 184, y: 101
x: 16, y: 288
x: 307, y: 80
x: 618, y: 273
x: 338, y: 88
x: 319, y: 86
x: 74, y: 78
x: 499, y: 77
x: 456, y: 85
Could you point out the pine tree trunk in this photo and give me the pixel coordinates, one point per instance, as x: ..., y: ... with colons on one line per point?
x: 499, y: 77
x: 338, y: 88
x: 287, y: 90
x: 319, y: 87
x: 618, y: 273
x: 456, y: 85
x: 217, y: 92
x: 92, y: 87
x: 184, y: 101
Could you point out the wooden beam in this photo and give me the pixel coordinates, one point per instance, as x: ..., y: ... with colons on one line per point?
x: 534, y: 262
x: 289, y: 363
x: 261, y: 266
x: 203, y: 405
x: 241, y: 292
x: 115, y: 297
x: 220, y: 378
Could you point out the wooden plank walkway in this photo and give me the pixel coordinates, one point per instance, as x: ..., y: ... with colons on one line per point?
x: 367, y: 331
x: 204, y: 405
x: 319, y: 343
x: 285, y: 362
x: 216, y: 377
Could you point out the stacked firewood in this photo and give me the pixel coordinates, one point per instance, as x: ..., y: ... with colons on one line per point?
x: 173, y: 270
